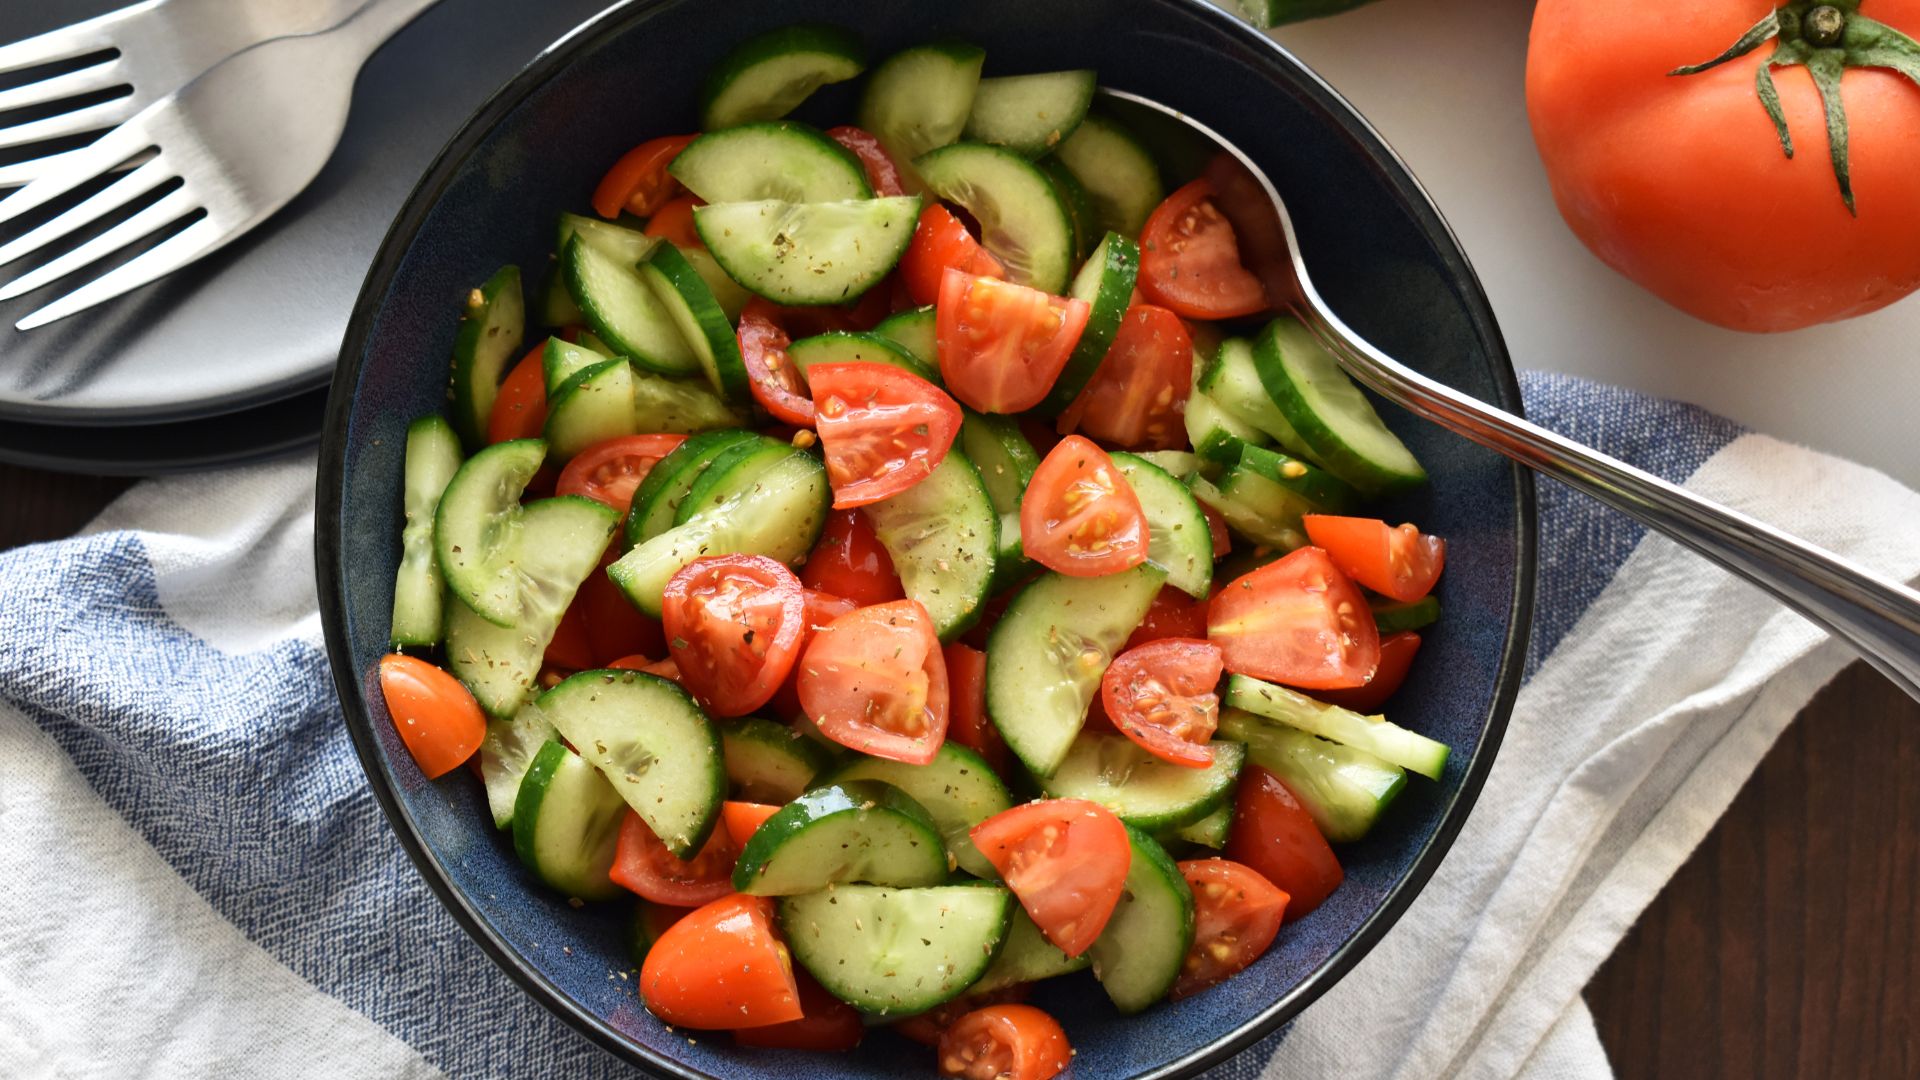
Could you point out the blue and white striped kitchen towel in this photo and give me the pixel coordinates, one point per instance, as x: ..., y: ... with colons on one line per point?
x: 196, y: 882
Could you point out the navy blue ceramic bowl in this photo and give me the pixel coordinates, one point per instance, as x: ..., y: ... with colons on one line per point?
x: 1379, y: 251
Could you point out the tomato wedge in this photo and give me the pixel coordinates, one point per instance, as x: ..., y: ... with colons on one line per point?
x: 850, y: 562
x: 1161, y: 695
x: 1275, y: 837
x: 941, y: 242
x: 722, y: 967
x: 1397, y: 561
x: 520, y: 410
x: 1079, y: 515
x: 639, y: 182
x: 1236, y: 915
x: 1174, y: 614
x: 826, y: 1024
x: 927, y: 1027
x: 743, y: 819
x: 571, y: 646
x: 1217, y: 527
x: 1137, y: 399
x: 1190, y: 259
x: 968, y: 723
x: 733, y: 625
x: 883, y: 176
x: 643, y: 864
x: 673, y: 222
x: 437, y: 717
x: 821, y: 608
x: 875, y: 680
x: 1001, y: 345
x: 1396, y: 658
x: 771, y: 374
x: 1005, y: 1042
x: 1065, y: 859
x: 1298, y: 621
x: 883, y: 429
x: 614, y: 626
x: 609, y: 471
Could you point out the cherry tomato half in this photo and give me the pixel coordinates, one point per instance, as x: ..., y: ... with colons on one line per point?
x: 639, y: 182
x: 883, y: 176
x: 743, y: 819
x: 437, y: 718
x: 1236, y: 915
x: 941, y: 242
x: 927, y: 1027
x: 1396, y: 658
x: 733, y: 625
x: 968, y: 723
x: 1002, y: 345
x: 1296, y: 620
x: 1005, y: 1042
x: 1395, y: 561
x: 1274, y: 835
x: 720, y: 967
x: 1065, y: 859
x: 1190, y: 259
x: 1161, y: 695
x: 643, y: 864
x: 874, y: 680
x: 850, y: 562
x: 826, y: 1024
x: 883, y: 429
x: 1137, y: 399
x: 673, y: 222
x: 771, y: 374
x: 520, y: 409
x: 1174, y: 614
x: 1079, y: 516
x: 609, y: 471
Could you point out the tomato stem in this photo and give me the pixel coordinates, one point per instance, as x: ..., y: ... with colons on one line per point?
x: 1826, y: 39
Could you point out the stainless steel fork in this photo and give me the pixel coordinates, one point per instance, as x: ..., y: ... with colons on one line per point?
x: 160, y: 46
x: 239, y: 142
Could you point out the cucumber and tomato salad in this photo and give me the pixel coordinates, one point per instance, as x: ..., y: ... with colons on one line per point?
x: 865, y: 477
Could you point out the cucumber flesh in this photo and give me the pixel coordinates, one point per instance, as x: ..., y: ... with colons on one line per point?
x: 1255, y: 507
x: 624, y: 310
x: 1047, y: 653
x: 433, y: 456
x: 1176, y: 463
x: 1326, y: 492
x: 914, y: 331
x: 941, y: 534
x: 1022, y: 221
x: 1141, y: 789
x: 1209, y: 425
x: 857, y: 831
x: 1030, y: 114
x: 1106, y: 283
x: 594, y: 405
x: 1086, y: 225
x: 1392, y: 616
x: 560, y: 543
x: 561, y: 360
x: 557, y: 308
x: 491, y: 329
x: 1345, y: 790
x: 1138, y: 956
x: 653, y: 744
x: 896, y: 952
x: 769, y: 75
x: 1232, y: 380
x: 628, y: 247
x: 1210, y: 831
x: 1178, y: 538
x: 703, y: 326
x: 726, y: 292
x: 785, y: 161
x: 737, y: 469
x: 769, y: 762
x: 849, y: 347
x: 1332, y: 416
x: 476, y: 527
x: 566, y: 824
x: 920, y: 98
x: 1027, y: 957
x: 1387, y: 741
x: 808, y: 253
x: 958, y: 789
x: 682, y: 406
x: 657, y: 500
x: 1006, y: 460
x: 506, y: 752
x: 1119, y: 175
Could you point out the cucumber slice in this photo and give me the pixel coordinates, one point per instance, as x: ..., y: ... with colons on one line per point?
x: 958, y: 789
x: 1047, y: 653
x: 682, y: 406
x: 491, y: 328
x: 726, y: 291
x: 915, y: 331
x: 560, y: 543
x: 1232, y: 380
x: 857, y: 831
x: 629, y: 247
x: 686, y: 298
x: 1106, y: 283
x: 657, y: 500
x: 593, y: 405
x: 476, y: 527
x: 1141, y: 789
x: 850, y: 347
x: 1387, y: 741
x: 780, y: 518
x: 1345, y: 790
x: 920, y: 98
x: 1178, y: 539
x: 1138, y: 956
x: 769, y: 75
x: 737, y: 469
x: 624, y: 310
x: 433, y: 456
x: 896, y: 952
x: 1086, y: 225
x: 1022, y: 220
x: 785, y: 161
x: 1392, y: 616
x: 1332, y: 416
x: 1176, y: 463
x: 1210, y: 831
x: 561, y: 360
x: 1255, y: 507
x: 1027, y: 956
x: 589, y: 341
x: 506, y: 752
x: 1120, y: 177
x: 557, y: 308
x: 1006, y: 462
x: 769, y: 762
x: 808, y: 253
x: 1328, y: 493
x: 653, y: 744
x: 566, y: 824
x: 1209, y: 425
x: 941, y: 534
x: 1030, y: 114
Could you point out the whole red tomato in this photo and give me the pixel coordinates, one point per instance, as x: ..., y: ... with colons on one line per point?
x: 1680, y: 179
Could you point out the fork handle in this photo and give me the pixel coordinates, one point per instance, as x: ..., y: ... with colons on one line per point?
x: 1879, y: 618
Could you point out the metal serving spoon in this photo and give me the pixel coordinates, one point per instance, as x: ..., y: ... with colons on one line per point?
x: 1879, y: 618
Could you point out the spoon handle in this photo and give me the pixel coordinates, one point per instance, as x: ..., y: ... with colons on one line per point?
x: 1879, y: 618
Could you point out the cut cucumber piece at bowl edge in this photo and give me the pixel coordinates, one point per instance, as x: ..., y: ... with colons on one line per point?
x: 769, y: 75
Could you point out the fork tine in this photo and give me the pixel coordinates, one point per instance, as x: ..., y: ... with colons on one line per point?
x: 189, y: 244
x: 118, y: 194
x: 174, y: 206
x: 78, y: 122
x: 90, y: 35
x: 76, y: 168
x: 72, y: 84
x: 23, y: 172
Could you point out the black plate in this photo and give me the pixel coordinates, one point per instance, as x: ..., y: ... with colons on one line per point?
x: 287, y: 426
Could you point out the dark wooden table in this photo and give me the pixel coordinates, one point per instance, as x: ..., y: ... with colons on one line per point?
x: 1787, y: 946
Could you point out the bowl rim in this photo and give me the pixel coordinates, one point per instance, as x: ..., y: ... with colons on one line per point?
x: 331, y: 489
